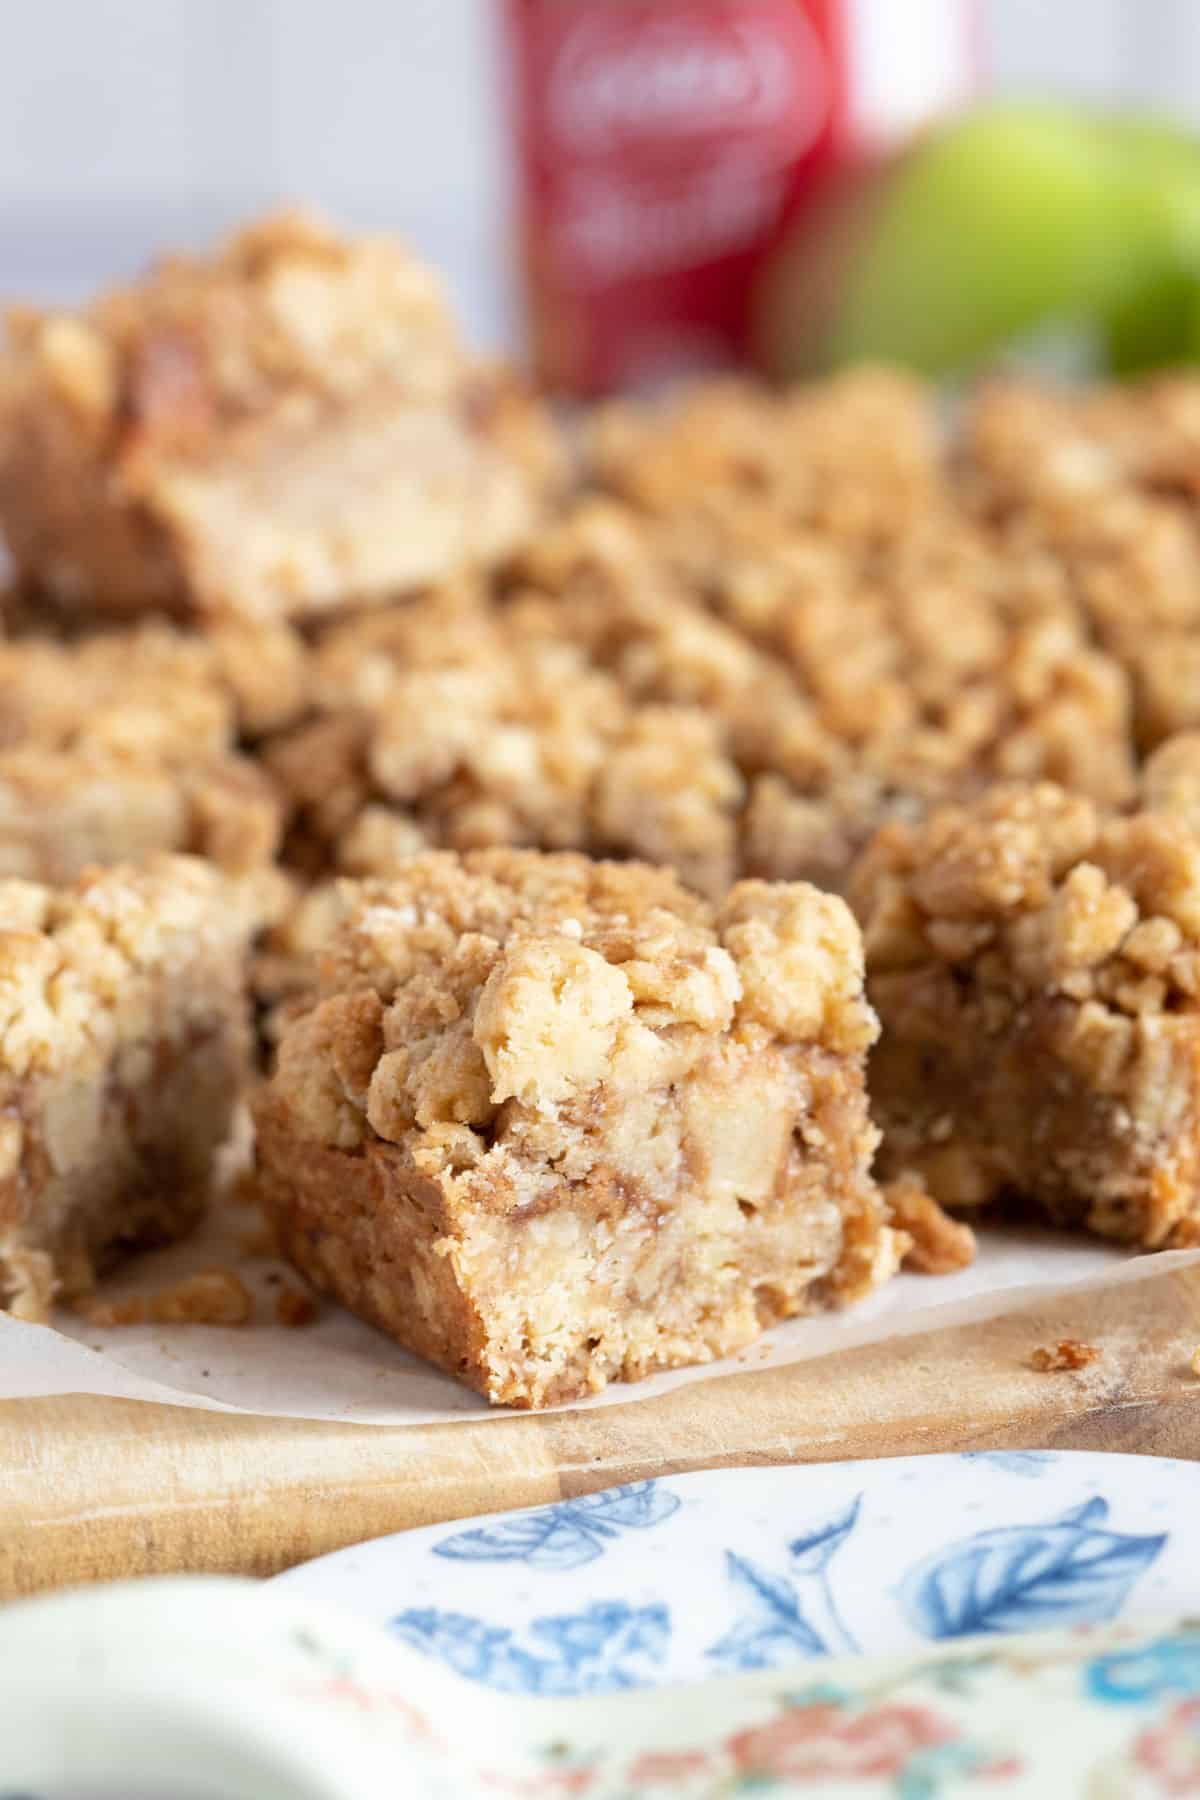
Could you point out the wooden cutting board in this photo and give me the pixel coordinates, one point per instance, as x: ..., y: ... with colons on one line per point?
x: 94, y: 1489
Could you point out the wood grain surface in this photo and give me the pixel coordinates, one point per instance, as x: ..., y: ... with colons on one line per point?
x: 94, y: 1489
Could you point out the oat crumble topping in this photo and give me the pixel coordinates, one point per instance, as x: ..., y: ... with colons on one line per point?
x: 1068, y: 1355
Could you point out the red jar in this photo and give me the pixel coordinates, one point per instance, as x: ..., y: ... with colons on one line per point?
x: 669, y: 149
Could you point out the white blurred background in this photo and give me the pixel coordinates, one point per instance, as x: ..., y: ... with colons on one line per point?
x: 128, y: 124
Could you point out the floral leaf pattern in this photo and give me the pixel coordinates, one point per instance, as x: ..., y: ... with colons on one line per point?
x: 1089, y: 1512
x: 646, y: 1591
x: 812, y: 1552
x: 1013, y: 1462
x: 608, y: 1646
x: 567, y: 1535
x: 1072, y: 1570
x: 788, y: 1615
x: 773, y: 1629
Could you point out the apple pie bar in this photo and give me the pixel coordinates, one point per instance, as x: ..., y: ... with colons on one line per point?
x: 553, y: 1122
x: 289, y: 425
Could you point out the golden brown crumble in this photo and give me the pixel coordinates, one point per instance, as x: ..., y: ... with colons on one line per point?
x: 210, y: 1297
x: 62, y: 810
x: 608, y: 1126
x: 265, y: 669
x: 71, y: 958
x: 852, y: 458
x: 193, y: 688
x: 1103, y: 479
x: 624, y: 941
x: 289, y: 424
x: 827, y: 530
x: 1066, y: 1356
x: 803, y: 800
x: 294, y: 1308
x: 937, y: 1243
x: 454, y: 721
x: 150, y: 691
x: 598, y: 702
x: 123, y: 743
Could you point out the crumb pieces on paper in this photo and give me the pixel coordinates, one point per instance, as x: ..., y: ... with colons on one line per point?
x: 210, y: 1297
x: 243, y: 1189
x: 1067, y: 1354
x: 329, y: 1370
x: 294, y: 1308
x: 259, y: 1241
x: 938, y: 1244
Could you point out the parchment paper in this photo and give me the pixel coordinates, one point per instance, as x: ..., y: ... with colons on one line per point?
x: 340, y: 1369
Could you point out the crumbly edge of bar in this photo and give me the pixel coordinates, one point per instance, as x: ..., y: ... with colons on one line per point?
x: 118, y: 743
x: 62, y: 810
x: 535, y: 1307
x: 119, y: 1159
x: 149, y: 685
x: 1040, y: 888
x: 125, y: 1049
x: 1051, y: 951
x: 79, y: 966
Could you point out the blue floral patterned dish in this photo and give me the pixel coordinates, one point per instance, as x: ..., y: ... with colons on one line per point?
x: 692, y: 1576
x: 202, y: 1686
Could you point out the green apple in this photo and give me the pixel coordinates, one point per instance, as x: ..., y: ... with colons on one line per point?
x: 1156, y: 326
x: 1022, y: 215
x: 1156, y: 322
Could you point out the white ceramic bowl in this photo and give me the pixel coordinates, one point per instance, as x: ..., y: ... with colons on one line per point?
x: 190, y: 1689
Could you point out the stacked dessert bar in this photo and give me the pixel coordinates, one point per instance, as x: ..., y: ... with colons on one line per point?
x: 684, y: 865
